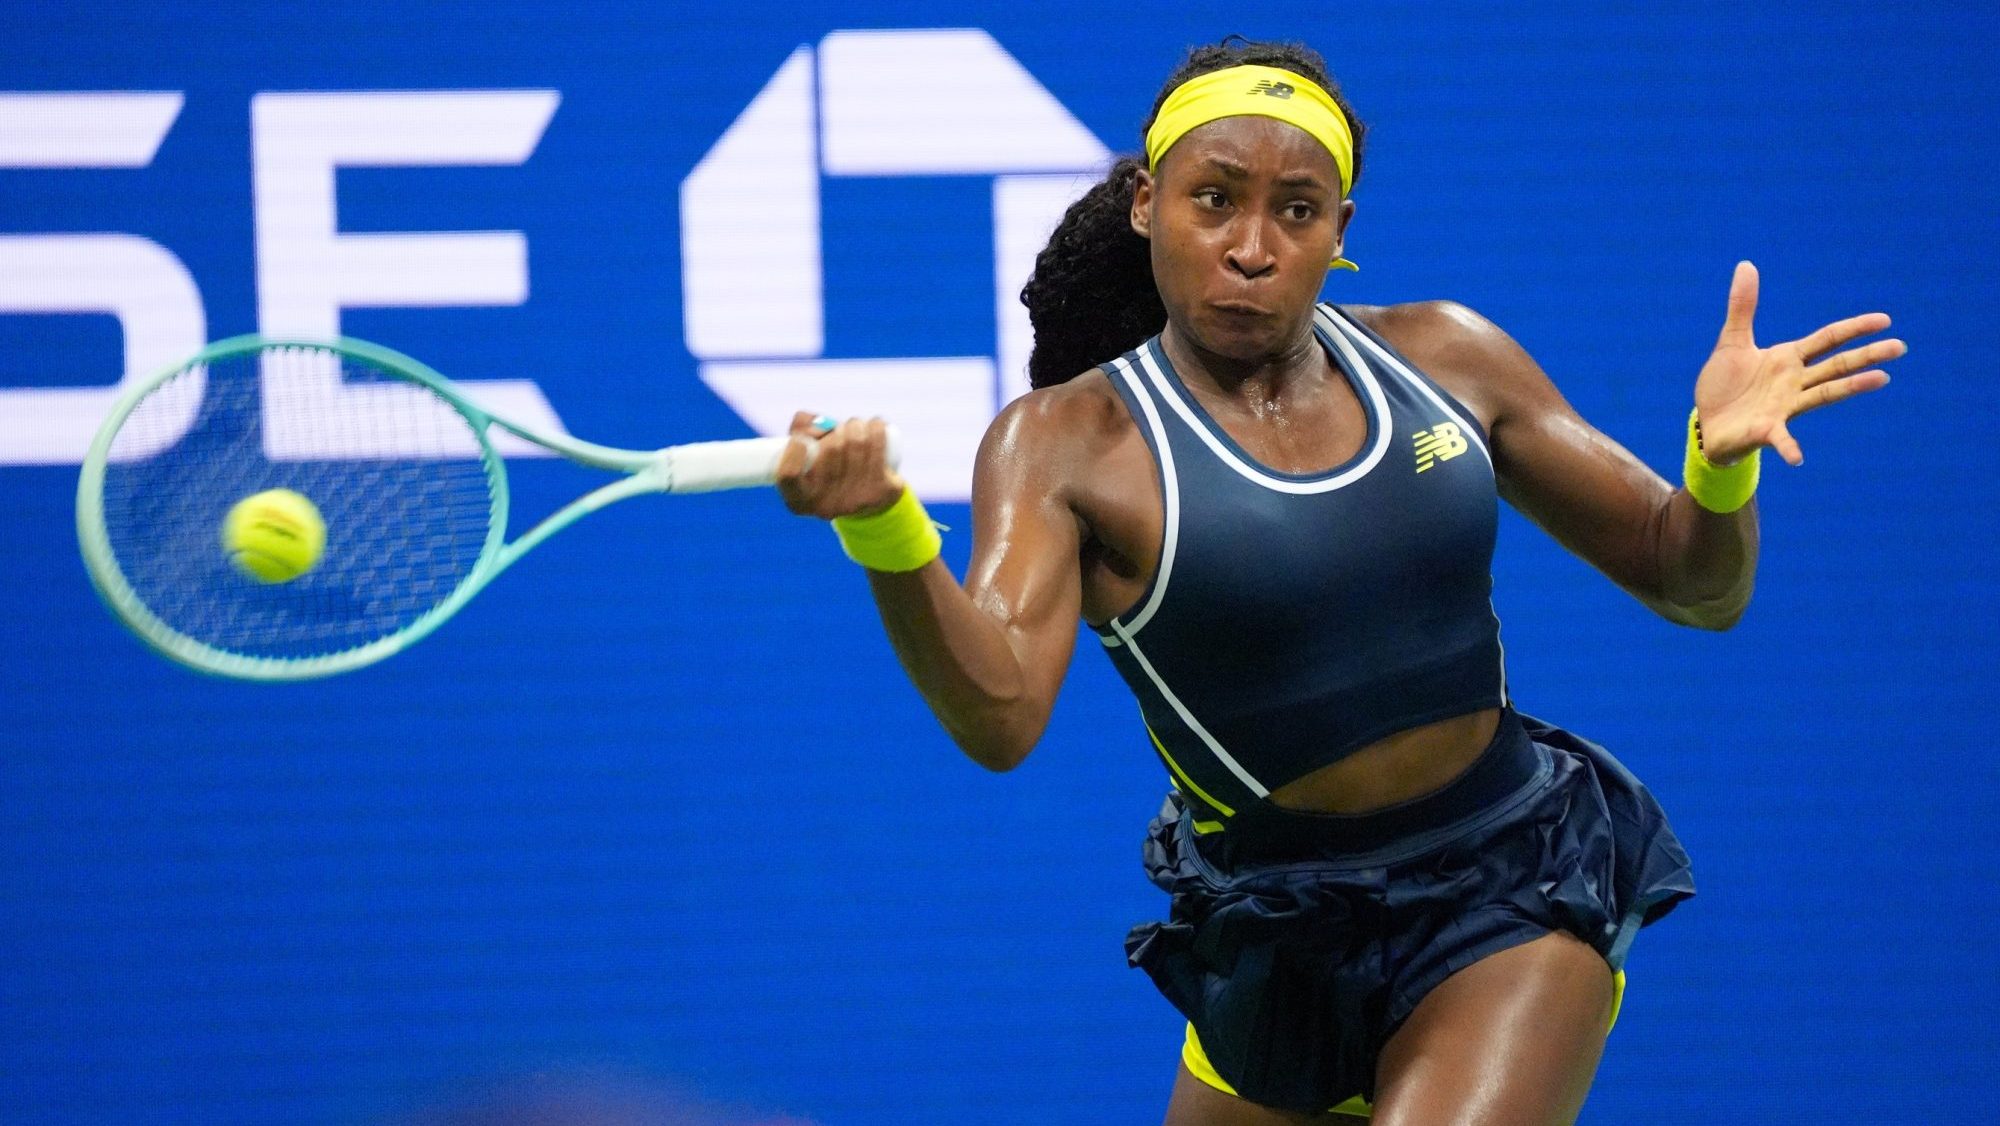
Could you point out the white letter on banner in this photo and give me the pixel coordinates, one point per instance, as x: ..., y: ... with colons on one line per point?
x: 307, y: 271
x: 134, y: 279
x: 923, y: 102
x: 750, y: 254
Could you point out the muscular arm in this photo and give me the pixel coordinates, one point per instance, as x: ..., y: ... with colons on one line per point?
x: 988, y: 656
x: 1688, y: 564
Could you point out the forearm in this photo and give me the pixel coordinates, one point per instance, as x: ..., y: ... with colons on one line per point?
x: 987, y: 656
x: 961, y: 659
x: 1686, y: 563
x: 1706, y: 562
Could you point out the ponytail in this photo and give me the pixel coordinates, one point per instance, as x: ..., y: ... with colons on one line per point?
x: 1091, y: 297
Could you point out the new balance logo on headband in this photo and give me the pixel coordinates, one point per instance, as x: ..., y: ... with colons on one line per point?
x: 1440, y: 443
x: 1274, y: 89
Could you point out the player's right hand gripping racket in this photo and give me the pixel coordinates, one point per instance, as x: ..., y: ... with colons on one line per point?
x: 404, y: 475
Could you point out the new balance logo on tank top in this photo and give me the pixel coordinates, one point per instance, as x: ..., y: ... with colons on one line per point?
x: 1296, y: 618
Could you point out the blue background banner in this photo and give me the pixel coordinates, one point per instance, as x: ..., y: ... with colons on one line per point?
x: 657, y: 822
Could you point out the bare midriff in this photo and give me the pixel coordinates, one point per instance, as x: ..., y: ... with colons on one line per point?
x: 1402, y: 767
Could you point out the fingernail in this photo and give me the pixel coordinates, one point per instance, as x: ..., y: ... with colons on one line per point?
x: 822, y: 423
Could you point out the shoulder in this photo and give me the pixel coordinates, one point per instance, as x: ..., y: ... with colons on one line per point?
x: 1063, y: 429
x: 1445, y: 330
x: 1077, y: 414
x: 1468, y: 354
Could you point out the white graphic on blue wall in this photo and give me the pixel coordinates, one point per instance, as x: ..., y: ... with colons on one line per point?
x: 754, y: 307
x: 308, y: 270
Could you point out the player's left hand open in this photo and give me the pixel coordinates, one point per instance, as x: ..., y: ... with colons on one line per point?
x: 1747, y: 394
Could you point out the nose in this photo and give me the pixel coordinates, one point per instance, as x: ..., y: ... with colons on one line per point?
x: 1249, y: 252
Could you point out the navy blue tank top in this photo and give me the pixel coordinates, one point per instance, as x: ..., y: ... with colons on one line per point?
x: 1295, y: 618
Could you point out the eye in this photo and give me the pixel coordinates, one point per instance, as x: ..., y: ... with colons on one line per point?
x: 1211, y: 197
x: 1300, y: 212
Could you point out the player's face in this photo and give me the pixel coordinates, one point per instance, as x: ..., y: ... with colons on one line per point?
x: 1244, y: 214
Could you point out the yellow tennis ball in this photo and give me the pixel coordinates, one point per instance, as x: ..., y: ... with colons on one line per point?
x: 274, y: 536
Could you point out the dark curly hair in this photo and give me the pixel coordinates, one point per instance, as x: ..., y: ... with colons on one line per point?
x: 1091, y: 297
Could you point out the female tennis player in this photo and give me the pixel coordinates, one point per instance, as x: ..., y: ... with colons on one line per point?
x: 1387, y: 886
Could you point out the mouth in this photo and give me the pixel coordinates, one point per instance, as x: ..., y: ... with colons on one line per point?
x: 1239, y: 308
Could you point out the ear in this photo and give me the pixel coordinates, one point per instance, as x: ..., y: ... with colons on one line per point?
x: 1142, y: 205
x: 1341, y: 219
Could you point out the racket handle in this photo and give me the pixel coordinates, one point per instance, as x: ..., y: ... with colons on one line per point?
x: 744, y: 463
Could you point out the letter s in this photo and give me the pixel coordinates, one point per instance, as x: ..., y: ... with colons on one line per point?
x: 136, y: 280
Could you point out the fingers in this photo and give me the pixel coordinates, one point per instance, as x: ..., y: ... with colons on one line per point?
x: 831, y: 469
x: 1853, y: 360
x: 797, y: 458
x: 874, y: 446
x: 1787, y: 446
x: 1840, y: 332
x: 1829, y: 393
x: 1736, y: 327
x: 808, y: 424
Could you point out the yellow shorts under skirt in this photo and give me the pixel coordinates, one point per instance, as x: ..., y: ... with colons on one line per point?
x: 1199, y: 1067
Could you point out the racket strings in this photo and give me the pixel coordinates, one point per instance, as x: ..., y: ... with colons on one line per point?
x: 394, y: 470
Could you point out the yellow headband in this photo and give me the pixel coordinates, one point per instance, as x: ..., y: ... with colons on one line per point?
x: 1255, y: 91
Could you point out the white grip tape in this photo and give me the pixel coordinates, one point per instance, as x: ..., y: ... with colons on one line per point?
x: 704, y: 467
x: 745, y: 463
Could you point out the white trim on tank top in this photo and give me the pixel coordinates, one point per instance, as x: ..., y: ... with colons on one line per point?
x: 1123, y: 633
x: 1127, y: 635
x: 1470, y: 428
x: 1170, y: 490
x: 1374, y: 401
x: 1122, y: 368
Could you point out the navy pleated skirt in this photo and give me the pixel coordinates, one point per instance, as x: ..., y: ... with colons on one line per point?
x: 1298, y: 943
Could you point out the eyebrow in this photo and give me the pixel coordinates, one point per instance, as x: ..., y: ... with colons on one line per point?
x: 1227, y: 167
x: 1237, y: 171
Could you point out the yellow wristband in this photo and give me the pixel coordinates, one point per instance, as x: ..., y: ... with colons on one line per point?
x: 1718, y: 488
x: 899, y: 538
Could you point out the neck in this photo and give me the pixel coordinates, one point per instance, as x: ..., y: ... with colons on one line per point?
x: 1263, y: 378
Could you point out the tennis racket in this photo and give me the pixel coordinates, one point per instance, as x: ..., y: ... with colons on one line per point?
x: 398, y: 462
